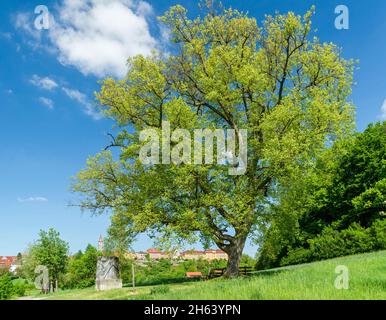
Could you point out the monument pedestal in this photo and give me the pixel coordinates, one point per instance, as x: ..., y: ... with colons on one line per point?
x: 108, y: 284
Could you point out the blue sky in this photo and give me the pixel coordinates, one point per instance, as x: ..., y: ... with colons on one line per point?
x: 48, y: 124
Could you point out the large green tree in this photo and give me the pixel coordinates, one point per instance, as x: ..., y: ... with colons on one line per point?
x: 222, y: 70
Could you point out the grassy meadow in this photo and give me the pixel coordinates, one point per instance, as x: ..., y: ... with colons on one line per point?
x: 367, y: 280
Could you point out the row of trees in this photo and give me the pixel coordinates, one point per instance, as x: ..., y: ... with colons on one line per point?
x: 338, y: 210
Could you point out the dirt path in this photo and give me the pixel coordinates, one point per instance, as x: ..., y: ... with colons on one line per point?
x: 30, y: 298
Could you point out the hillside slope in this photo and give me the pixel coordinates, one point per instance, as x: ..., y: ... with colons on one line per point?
x: 367, y: 280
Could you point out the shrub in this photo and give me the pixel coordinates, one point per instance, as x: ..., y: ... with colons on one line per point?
x: 6, y: 287
x: 358, y: 240
x: 328, y: 244
x: 3, y: 271
x: 378, y: 230
x: 333, y: 243
x: 19, y: 289
x: 297, y: 256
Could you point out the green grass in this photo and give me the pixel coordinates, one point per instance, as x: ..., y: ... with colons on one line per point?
x: 92, y: 294
x: 367, y: 274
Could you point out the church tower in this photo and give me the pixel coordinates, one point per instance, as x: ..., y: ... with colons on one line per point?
x: 101, y: 246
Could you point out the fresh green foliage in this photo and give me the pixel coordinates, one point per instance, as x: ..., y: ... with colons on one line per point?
x: 81, y: 270
x: 378, y: 230
x: 77, y: 271
x: 247, y: 261
x: 29, y: 263
x: 357, y: 192
x: 6, y: 287
x: 348, y: 188
x: 223, y: 71
x: 372, y: 202
x: 333, y: 243
x: 52, y: 252
x: 3, y: 271
x: 20, y: 286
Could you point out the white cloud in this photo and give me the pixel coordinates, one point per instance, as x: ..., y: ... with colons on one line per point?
x: 383, y: 111
x: 144, y: 9
x: 6, y: 35
x: 75, y: 95
x: 82, y: 99
x: 32, y: 199
x: 43, y: 82
x: 97, y: 36
x: 25, y: 21
x: 47, y: 102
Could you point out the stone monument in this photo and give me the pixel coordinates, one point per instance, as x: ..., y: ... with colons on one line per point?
x: 107, y: 274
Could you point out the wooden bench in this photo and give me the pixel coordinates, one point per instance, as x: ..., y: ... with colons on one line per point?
x: 194, y: 275
x: 216, y: 273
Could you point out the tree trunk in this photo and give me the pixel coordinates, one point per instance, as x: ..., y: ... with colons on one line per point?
x: 234, y: 251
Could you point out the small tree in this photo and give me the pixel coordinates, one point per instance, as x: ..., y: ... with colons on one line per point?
x: 28, y: 265
x: 6, y: 287
x: 51, y: 252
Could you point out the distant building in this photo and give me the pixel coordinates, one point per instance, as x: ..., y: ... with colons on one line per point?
x: 155, y: 254
x: 10, y: 263
x: 141, y: 256
x: 192, y: 255
x: 211, y: 254
x: 215, y: 254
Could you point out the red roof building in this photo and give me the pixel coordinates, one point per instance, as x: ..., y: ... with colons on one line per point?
x: 7, y: 261
x: 152, y: 250
x: 156, y: 254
